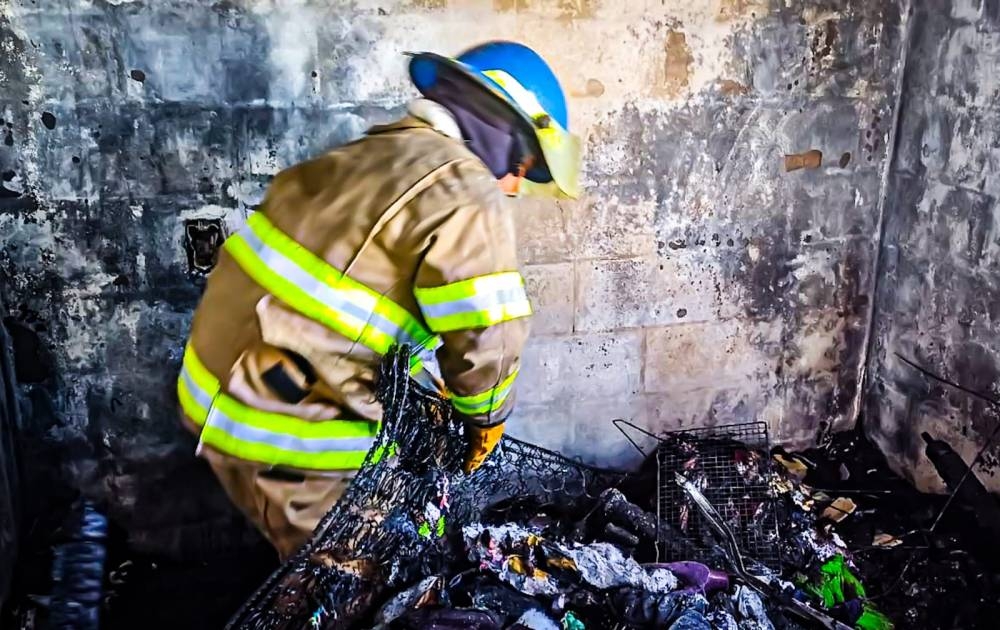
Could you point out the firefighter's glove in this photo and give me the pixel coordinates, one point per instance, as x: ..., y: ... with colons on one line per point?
x: 482, y: 441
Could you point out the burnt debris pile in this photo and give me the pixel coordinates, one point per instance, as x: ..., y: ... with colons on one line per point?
x: 714, y: 531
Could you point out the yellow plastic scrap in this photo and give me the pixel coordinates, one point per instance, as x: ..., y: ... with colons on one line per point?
x: 561, y: 562
x: 517, y: 565
x: 796, y: 469
x: 840, y: 509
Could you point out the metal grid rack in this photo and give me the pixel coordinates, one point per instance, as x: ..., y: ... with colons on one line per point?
x: 729, y: 464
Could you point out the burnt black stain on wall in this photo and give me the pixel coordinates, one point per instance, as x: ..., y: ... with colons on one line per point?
x: 120, y: 121
x: 938, y: 302
x: 161, y: 110
x: 10, y: 482
x: 797, y: 249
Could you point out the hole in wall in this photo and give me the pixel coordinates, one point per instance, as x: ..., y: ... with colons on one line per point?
x: 6, y: 193
x: 202, y: 239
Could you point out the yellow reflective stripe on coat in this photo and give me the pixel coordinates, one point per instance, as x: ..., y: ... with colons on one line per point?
x: 474, y: 303
x: 486, y: 402
x: 236, y: 429
x: 321, y: 292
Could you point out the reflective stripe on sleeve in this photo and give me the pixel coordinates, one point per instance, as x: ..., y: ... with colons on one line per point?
x: 474, y: 303
x: 485, y: 402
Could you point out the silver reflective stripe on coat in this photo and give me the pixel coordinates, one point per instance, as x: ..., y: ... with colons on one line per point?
x: 329, y: 296
x: 219, y: 420
x: 476, y: 303
x: 200, y: 396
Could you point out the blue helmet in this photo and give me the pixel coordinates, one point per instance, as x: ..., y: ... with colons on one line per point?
x: 523, y: 82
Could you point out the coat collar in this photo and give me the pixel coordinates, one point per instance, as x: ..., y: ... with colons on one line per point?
x: 424, y: 114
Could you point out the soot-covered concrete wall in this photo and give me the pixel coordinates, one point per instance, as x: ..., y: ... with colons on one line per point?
x: 698, y: 282
x: 939, y: 297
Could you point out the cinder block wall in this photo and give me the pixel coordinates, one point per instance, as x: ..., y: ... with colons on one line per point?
x: 698, y: 282
x: 939, y: 297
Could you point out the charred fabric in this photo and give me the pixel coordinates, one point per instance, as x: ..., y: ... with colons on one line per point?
x: 714, y: 531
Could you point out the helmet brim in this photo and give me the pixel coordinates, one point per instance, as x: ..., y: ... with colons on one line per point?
x: 560, y: 149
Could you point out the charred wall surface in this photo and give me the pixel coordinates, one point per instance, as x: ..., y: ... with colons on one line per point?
x: 700, y: 281
x: 938, y: 300
x: 10, y: 482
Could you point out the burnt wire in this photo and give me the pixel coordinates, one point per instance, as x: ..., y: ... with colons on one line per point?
x: 941, y: 379
x: 975, y: 462
x: 982, y: 451
x: 401, y: 518
x: 619, y: 423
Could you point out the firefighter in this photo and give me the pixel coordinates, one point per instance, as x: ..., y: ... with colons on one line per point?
x: 403, y: 237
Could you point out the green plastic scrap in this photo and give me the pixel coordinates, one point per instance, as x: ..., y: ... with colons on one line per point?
x: 382, y: 451
x: 837, y: 584
x: 570, y: 622
x: 872, y: 619
x: 425, y: 528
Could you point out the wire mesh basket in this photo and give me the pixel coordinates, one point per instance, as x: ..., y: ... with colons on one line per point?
x: 730, y: 465
x: 402, y: 516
